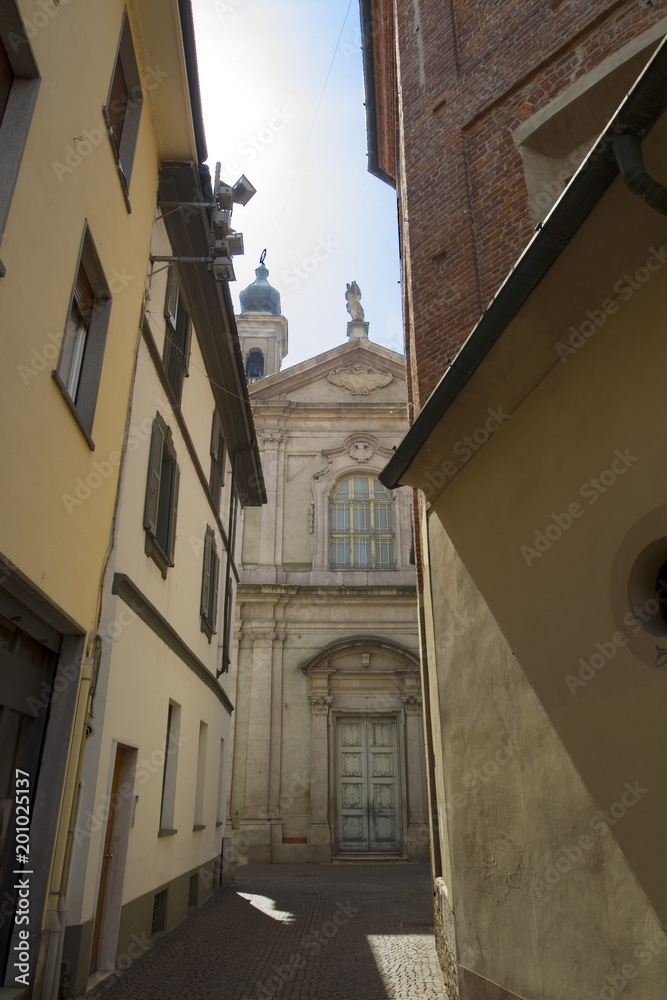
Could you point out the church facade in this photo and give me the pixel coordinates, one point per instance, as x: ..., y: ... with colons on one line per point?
x: 328, y: 759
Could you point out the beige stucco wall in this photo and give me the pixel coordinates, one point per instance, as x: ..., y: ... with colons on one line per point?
x: 563, y: 838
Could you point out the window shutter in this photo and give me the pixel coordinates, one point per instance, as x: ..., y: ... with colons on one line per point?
x: 171, y: 301
x: 187, y: 339
x: 83, y: 295
x: 215, y: 573
x: 154, y: 471
x: 175, y: 479
x: 206, y: 576
x: 216, y: 434
x: 6, y: 78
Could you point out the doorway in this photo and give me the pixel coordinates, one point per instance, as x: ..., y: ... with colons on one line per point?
x: 116, y: 836
x: 367, y: 785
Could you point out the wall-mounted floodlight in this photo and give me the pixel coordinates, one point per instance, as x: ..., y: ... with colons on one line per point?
x: 223, y: 269
x: 243, y: 190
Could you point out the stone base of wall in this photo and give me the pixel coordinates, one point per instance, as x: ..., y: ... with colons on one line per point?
x: 445, y: 940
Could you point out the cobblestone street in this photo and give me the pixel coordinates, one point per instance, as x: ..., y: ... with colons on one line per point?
x: 313, y: 932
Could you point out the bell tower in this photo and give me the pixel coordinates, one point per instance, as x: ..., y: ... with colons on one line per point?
x: 262, y: 329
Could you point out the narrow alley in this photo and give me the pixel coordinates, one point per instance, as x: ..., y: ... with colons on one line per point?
x: 331, y: 932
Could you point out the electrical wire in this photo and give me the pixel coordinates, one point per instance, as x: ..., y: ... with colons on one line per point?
x: 312, y: 126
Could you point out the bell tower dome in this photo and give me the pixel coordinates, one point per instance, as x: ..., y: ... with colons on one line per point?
x: 262, y: 329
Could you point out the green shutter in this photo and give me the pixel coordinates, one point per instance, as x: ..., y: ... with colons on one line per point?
x: 154, y: 470
x: 187, y: 340
x: 215, y: 573
x: 206, y: 576
x: 175, y: 480
x: 171, y: 301
x: 216, y: 434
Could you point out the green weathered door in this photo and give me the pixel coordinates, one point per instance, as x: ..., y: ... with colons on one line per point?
x: 368, y: 788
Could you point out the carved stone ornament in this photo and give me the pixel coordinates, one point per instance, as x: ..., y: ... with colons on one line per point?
x: 361, y: 451
x: 272, y: 437
x: 319, y: 703
x: 413, y: 703
x: 323, y: 472
x: 311, y: 517
x: 360, y: 379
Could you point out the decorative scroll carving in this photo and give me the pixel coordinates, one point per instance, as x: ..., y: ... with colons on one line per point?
x: 360, y: 378
x: 323, y: 472
x: 311, y: 517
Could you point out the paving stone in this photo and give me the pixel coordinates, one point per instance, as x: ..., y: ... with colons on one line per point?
x: 297, y: 932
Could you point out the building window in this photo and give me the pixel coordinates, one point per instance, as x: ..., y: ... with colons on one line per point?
x: 218, y: 450
x: 201, y: 777
x: 362, y: 525
x: 209, y: 585
x: 19, y: 83
x: 168, y: 801
x: 177, y: 339
x: 82, y: 350
x: 254, y: 366
x: 161, y: 497
x: 123, y: 108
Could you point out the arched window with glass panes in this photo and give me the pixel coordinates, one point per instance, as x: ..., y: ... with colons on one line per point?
x: 362, y: 528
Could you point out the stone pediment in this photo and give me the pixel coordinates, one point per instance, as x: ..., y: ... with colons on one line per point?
x: 353, y: 371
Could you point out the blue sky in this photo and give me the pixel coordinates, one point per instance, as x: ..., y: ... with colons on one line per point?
x: 262, y: 67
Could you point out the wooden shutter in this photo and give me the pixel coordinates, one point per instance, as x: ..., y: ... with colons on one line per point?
x: 83, y: 295
x: 171, y: 301
x: 6, y: 79
x: 215, y: 573
x: 187, y: 341
x: 154, y: 473
x: 175, y: 480
x: 206, y: 575
x: 216, y: 435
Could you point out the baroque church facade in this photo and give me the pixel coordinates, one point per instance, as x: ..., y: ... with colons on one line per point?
x: 328, y: 759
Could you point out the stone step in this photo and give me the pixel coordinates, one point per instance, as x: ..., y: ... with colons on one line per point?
x: 368, y: 858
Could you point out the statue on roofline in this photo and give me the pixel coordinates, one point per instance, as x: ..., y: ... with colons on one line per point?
x: 353, y: 295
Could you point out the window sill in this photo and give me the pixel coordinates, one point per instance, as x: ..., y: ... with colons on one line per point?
x: 166, y: 833
x: 198, y: 826
x: 154, y: 551
x: 71, y: 405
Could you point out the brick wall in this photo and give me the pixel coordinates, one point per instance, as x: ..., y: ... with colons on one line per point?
x: 467, y: 74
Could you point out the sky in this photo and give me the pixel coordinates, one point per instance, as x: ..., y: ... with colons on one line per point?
x: 323, y: 219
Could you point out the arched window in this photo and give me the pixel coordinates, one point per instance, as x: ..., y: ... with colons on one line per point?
x: 254, y: 366
x: 362, y: 525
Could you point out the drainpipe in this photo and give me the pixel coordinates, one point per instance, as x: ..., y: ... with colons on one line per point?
x: 231, y: 542
x: 628, y: 152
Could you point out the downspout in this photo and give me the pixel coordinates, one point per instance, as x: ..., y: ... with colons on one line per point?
x: 231, y: 541
x: 628, y: 152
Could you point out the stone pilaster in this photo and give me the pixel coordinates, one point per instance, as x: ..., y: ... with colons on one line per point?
x: 319, y: 829
x: 418, y: 829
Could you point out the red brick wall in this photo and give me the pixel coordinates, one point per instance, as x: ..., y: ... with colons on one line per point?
x: 468, y: 74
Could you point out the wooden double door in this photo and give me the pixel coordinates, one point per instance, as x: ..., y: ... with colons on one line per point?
x: 368, y: 786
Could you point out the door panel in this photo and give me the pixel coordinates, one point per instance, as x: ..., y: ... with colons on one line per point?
x: 367, y: 800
